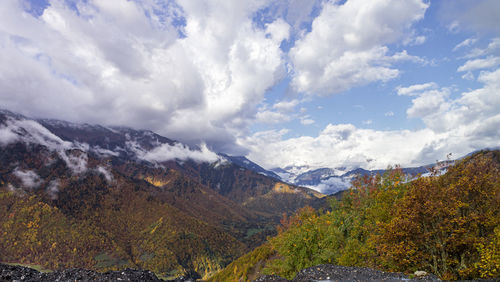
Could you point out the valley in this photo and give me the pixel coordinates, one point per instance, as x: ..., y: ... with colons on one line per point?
x: 77, y: 195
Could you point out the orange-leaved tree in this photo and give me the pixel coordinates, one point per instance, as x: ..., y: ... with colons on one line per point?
x: 442, y: 221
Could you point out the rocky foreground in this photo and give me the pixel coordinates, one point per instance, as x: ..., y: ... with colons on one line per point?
x: 328, y: 272
x: 20, y: 273
x: 322, y: 273
x: 317, y: 273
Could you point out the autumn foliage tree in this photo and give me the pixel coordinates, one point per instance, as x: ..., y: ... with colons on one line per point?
x: 440, y: 223
x: 340, y: 236
x: 448, y: 225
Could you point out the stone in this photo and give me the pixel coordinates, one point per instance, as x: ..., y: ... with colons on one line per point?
x: 420, y: 273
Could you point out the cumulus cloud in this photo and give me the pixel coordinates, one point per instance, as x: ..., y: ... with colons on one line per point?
x: 197, y: 71
x: 429, y: 102
x: 125, y: 63
x: 453, y: 123
x: 389, y: 114
x: 347, y: 44
x: 338, y: 145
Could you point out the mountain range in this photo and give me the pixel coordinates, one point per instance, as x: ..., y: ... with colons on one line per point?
x: 104, y: 198
x: 330, y: 181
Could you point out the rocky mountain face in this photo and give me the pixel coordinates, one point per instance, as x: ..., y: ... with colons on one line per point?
x: 106, y: 198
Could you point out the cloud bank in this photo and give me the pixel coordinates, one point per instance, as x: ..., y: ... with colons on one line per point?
x: 461, y: 125
x: 201, y: 72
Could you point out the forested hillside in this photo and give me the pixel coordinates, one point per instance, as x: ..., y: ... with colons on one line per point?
x: 448, y: 225
x: 79, y: 195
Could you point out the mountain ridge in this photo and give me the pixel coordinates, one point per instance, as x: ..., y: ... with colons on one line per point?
x: 129, y: 198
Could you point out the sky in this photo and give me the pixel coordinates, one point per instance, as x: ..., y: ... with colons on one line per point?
x: 350, y: 83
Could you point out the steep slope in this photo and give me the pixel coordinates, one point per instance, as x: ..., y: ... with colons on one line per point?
x: 129, y: 198
x: 115, y: 221
x: 248, y: 164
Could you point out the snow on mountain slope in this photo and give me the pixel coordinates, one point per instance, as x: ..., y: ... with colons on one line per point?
x: 248, y: 164
x: 332, y: 180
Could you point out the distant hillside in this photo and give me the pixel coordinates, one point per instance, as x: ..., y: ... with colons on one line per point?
x: 103, y: 198
x: 332, y: 180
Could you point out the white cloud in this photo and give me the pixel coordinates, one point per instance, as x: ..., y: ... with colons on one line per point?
x: 466, y: 43
x: 476, y: 64
x: 29, y: 178
x: 367, y: 122
x: 107, y: 175
x: 307, y: 121
x: 282, y: 111
x: 31, y: 132
x: 178, y: 151
x: 458, y: 125
x: 123, y: 63
x: 331, y: 185
x: 338, y: 145
x: 75, y: 160
x: 389, y: 114
x: 419, y: 40
x: 468, y: 76
x: 279, y: 30
x: 429, y: 102
x: 413, y: 90
x: 404, y: 56
x: 345, y: 47
x: 415, y: 40
x: 53, y: 189
x: 493, y: 48
x: 7, y: 136
x: 286, y: 106
x: 271, y: 117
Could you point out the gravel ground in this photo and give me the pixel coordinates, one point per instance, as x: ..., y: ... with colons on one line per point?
x: 19, y: 273
x: 328, y: 272
x: 319, y: 273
